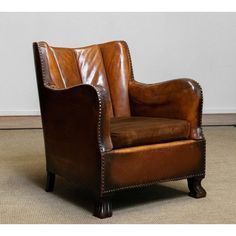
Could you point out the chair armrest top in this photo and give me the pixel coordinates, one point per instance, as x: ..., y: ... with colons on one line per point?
x: 163, y: 92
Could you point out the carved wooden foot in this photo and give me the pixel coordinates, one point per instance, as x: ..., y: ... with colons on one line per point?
x: 195, y: 187
x: 50, y: 181
x: 103, y: 208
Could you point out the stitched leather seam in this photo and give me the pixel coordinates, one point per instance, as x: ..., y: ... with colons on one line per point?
x: 201, y: 107
x: 152, y: 183
x: 42, y: 64
x: 204, y: 155
x: 200, y: 125
x: 101, y: 147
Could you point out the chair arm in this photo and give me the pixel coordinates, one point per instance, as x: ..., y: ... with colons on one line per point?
x: 177, y: 99
x: 81, y: 111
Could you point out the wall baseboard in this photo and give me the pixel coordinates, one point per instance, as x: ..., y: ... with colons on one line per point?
x: 20, y: 122
x: 219, y: 119
x: 34, y: 122
x: 209, y: 111
x: 19, y: 113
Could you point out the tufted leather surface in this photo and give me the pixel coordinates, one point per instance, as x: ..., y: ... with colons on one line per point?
x: 135, y: 131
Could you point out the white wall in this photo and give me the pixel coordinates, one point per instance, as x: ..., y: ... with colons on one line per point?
x: 163, y: 46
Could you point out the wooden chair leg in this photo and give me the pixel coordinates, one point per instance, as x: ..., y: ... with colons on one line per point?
x: 50, y: 181
x: 103, y: 208
x: 195, y: 187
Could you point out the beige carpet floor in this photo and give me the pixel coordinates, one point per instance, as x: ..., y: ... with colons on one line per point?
x: 23, y: 199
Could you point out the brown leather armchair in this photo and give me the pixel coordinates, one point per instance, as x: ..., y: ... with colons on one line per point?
x: 107, y: 132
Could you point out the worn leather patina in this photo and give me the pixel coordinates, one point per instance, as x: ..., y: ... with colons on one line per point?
x: 107, y: 132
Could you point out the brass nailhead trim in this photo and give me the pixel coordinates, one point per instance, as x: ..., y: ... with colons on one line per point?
x: 129, y: 59
x: 200, y: 125
x: 100, y: 143
x: 45, y: 82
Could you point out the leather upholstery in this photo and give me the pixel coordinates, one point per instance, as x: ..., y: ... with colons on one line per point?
x: 135, y: 131
x: 105, y: 64
x: 118, y: 69
x: 177, y: 99
x: 106, y: 131
x: 149, y: 164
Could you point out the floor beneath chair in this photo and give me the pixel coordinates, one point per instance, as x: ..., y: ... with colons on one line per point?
x: 23, y: 199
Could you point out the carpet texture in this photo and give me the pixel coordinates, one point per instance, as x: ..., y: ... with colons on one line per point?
x: 23, y: 199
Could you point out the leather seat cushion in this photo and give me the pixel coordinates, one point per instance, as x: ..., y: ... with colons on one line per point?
x: 135, y: 131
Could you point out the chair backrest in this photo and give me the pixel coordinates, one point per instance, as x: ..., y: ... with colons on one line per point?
x: 105, y: 64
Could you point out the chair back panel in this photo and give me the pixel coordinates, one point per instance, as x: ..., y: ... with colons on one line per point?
x: 66, y: 63
x: 91, y: 67
x: 118, y: 70
x: 105, y: 64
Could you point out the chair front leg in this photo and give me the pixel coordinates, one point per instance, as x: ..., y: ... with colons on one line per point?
x: 103, y: 207
x: 195, y: 187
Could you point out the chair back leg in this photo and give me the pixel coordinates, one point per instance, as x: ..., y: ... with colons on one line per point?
x: 50, y: 182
